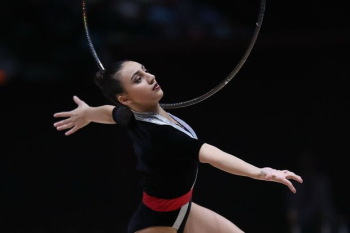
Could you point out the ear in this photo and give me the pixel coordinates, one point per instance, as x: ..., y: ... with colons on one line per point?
x: 124, y: 99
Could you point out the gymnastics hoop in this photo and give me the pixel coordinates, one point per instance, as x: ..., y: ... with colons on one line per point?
x: 212, y: 91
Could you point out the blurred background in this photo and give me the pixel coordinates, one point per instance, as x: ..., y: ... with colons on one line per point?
x: 287, y: 108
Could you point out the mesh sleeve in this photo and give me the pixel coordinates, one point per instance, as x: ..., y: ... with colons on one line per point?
x: 117, y: 115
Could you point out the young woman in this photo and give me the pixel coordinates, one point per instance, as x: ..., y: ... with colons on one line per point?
x: 168, y: 153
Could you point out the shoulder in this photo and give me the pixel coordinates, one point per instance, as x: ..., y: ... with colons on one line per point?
x: 123, y: 116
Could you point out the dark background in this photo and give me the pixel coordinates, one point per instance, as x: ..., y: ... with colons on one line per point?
x: 288, y: 104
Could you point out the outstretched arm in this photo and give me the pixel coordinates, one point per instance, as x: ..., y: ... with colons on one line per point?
x: 231, y: 164
x: 83, y: 115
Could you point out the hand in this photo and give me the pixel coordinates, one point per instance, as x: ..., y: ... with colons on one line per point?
x: 76, y: 118
x: 279, y: 176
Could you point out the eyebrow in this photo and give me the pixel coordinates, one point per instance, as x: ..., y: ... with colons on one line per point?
x: 142, y: 66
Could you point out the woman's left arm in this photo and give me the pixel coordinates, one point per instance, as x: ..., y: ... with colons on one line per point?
x: 83, y: 115
x: 231, y: 164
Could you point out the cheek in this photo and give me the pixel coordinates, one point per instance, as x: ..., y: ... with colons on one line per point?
x: 140, y: 92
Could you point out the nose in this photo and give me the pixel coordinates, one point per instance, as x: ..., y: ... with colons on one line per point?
x: 151, y: 78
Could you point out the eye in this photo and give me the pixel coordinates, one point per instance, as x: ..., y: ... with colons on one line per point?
x: 138, y: 79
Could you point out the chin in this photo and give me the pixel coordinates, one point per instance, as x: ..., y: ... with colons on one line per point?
x: 161, y: 93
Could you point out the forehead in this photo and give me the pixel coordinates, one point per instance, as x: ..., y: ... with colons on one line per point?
x: 129, y: 68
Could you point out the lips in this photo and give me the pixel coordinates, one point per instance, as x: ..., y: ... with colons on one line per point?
x: 156, y: 86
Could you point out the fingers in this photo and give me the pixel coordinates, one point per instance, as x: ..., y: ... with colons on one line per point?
x: 66, y: 126
x: 76, y: 100
x: 290, y: 185
x: 293, y: 176
x: 290, y: 175
x: 282, y: 179
x: 60, y: 123
x: 62, y: 114
x: 63, y: 126
x: 73, y: 130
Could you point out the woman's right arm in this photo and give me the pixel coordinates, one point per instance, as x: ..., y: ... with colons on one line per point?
x: 234, y: 165
x: 83, y: 115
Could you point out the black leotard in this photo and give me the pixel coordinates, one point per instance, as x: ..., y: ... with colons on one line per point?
x: 167, y: 158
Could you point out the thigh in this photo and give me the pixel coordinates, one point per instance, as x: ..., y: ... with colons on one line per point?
x: 146, y: 220
x: 157, y: 230
x: 203, y: 220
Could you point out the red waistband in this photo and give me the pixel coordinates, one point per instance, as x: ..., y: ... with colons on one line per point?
x: 165, y: 205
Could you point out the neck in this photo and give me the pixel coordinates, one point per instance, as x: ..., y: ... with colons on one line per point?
x: 155, y: 109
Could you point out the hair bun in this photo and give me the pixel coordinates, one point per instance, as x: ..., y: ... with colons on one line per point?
x: 99, y: 78
x: 99, y: 74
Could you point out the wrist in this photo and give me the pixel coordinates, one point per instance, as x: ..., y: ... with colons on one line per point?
x: 258, y: 174
x: 87, y: 113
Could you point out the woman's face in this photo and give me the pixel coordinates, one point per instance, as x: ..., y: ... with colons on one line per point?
x: 141, y: 87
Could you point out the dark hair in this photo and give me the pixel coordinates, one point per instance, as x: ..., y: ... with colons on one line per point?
x: 108, y: 81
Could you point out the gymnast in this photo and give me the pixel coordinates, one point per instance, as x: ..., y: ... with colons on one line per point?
x: 168, y: 152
